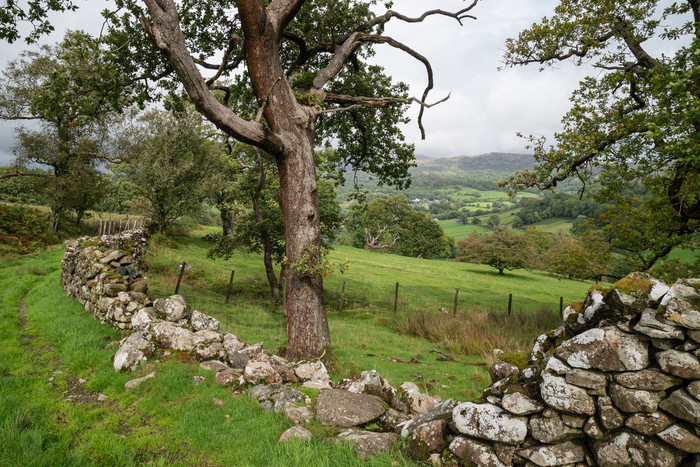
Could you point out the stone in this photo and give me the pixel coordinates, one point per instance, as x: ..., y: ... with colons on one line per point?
x: 314, y: 375
x: 487, y: 421
x: 694, y: 389
x: 586, y: 378
x: 218, y: 402
x: 473, y: 452
x: 133, y: 350
x: 433, y: 434
x: 694, y: 334
x: 630, y: 295
x: 606, y: 349
x: 391, y: 419
x: 518, y: 403
x: 134, y: 383
x: 663, y: 344
x: 501, y: 370
x: 682, y: 405
x: 174, y: 308
x: 227, y: 377
x: 442, y: 411
x: 681, y: 438
x: 592, y: 429
x: 201, y: 321
x: 652, y: 327
x: 631, y: 449
x: 252, y: 350
x: 232, y: 344
x: 276, y: 395
x: 551, y: 430
x: 367, y: 443
x: 648, y: 423
x: 574, y: 421
x: 171, y: 336
x: 635, y: 400
x: 651, y: 379
x: 569, y: 452
x: 297, y: 432
x: 296, y: 415
x: 609, y: 416
x: 416, y: 401
x: 681, y: 364
x: 346, y: 409
x: 213, y: 365
x: 204, y: 351
x: 257, y: 372
x: 565, y: 397
x: 556, y: 366
x: 208, y: 336
x: 285, y: 373
x: 681, y: 312
x: 371, y: 382
x: 139, y: 286
x: 114, y: 255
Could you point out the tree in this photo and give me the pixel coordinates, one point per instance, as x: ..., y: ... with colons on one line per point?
x: 299, y: 72
x: 494, y: 221
x: 71, y: 91
x: 586, y: 257
x: 503, y: 249
x: 169, y: 158
x: 636, y: 120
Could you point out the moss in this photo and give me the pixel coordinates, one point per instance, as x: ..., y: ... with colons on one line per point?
x: 518, y: 359
x: 281, y: 351
x: 311, y: 392
x: 661, y: 310
x: 304, y: 80
x: 573, y: 317
x: 633, y: 285
x: 372, y: 427
x: 329, y: 359
x: 577, y: 306
x: 694, y: 301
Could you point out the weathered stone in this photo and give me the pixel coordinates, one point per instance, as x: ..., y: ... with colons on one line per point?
x: 276, y: 395
x: 681, y: 364
x: 208, y: 336
x: 416, y: 401
x: 518, y: 403
x: 694, y: 389
x: 592, y: 429
x: 133, y: 350
x: 236, y: 359
x: 201, y: 321
x: 651, y: 379
x: 213, y: 365
x: 681, y: 438
x: 279, y: 365
x: 652, y: 327
x: 623, y: 449
x: 367, y: 443
x: 586, y: 378
x: 574, y: 421
x: 171, y: 336
x: 227, y: 377
x: 630, y: 295
x: 551, y: 430
x: 694, y: 334
x: 174, y: 308
x: 606, y: 349
x: 296, y: 432
x: 610, y: 417
x: 314, y: 375
x: 257, y: 372
x: 114, y: 255
x: 205, y: 351
x: 232, y: 344
x: 486, y: 421
x: 682, y: 405
x: 473, y: 452
x: 303, y: 414
x: 442, y: 411
x: 648, y: 423
x: 253, y: 350
x: 391, y: 419
x: 139, y: 286
x: 565, y: 397
x: 501, y: 370
x: 133, y: 383
x: 663, y: 344
x: 346, y: 409
x: 681, y: 312
x: 371, y: 382
x: 556, y: 366
x: 635, y: 400
x: 433, y: 434
x: 565, y: 453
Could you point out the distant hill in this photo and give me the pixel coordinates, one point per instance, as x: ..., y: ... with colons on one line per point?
x: 493, y: 162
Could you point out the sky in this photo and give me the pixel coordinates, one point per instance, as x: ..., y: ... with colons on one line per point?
x: 486, y: 108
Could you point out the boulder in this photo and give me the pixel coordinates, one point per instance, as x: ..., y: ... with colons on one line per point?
x: 442, y: 411
x: 296, y: 432
x: 565, y: 397
x: 416, y: 401
x: 303, y: 414
x: 314, y: 375
x: 473, y: 452
x: 681, y: 364
x: 681, y: 438
x: 635, y: 400
x: 257, y: 372
x: 518, y: 403
x: 606, y: 349
x: 567, y: 453
x: 487, y: 421
x: 276, y: 396
x: 228, y: 376
x: 625, y: 448
x: 682, y: 405
x: 346, y: 409
x: 648, y: 424
x: 133, y: 350
x: 367, y: 443
x: 173, y: 308
x: 171, y: 336
x: 201, y: 321
x: 433, y: 434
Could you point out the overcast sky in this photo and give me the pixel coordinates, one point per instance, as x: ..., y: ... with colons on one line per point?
x: 487, y: 107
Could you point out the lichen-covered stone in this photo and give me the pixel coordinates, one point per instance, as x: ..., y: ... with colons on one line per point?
x: 201, y: 321
x: 650, y: 326
x: 651, y: 379
x: 565, y: 397
x: 551, y: 430
x: 442, y: 411
x: 297, y: 432
x: 681, y: 438
x: 622, y: 449
x: 276, y: 396
x: 518, y: 403
x: 257, y: 372
x: 173, y: 308
x: 346, y: 409
x: 367, y: 443
x: 473, y: 452
x: 487, y: 421
x: 681, y: 364
x: 648, y: 423
x: 682, y: 405
x: 171, y: 336
x: 416, y: 401
x: 133, y: 350
x: 635, y: 400
x: 606, y: 349
x: 592, y: 428
x: 609, y: 416
x: 586, y: 378
x: 567, y: 453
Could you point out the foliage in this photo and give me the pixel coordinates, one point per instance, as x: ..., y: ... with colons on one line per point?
x: 25, y: 229
x: 415, y: 233
x: 170, y: 156
x: 554, y: 205
x: 578, y: 257
x: 25, y: 190
x: 635, y: 120
x: 503, y: 249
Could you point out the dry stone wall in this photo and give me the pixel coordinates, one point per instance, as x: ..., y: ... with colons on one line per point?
x: 617, y: 384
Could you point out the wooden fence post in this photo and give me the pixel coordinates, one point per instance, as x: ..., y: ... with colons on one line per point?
x: 342, y: 297
x: 230, y: 285
x: 561, y: 306
x: 396, y: 297
x: 510, y: 303
x: 179, y: 278
x: 454, y: 310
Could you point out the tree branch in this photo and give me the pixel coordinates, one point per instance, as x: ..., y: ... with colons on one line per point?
x: 23, y: 174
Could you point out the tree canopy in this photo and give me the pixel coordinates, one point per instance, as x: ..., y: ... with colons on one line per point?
x: 637, y: 119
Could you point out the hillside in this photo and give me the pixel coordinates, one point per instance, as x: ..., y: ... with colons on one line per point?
x: 493, y: 163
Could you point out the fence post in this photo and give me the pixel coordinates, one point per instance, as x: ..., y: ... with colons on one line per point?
x: 120, y: 225
x: 454, y: 310
x: 179, y: 278
x: 230, y: 285
x: 561, y: 306
x: 396, y: 297
x: 342, y: 296
x: 510, y: 303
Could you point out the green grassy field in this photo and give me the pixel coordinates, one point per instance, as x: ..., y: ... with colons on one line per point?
x: 458, y: 231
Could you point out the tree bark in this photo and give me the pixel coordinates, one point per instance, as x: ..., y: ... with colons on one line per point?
x: 227, y: 222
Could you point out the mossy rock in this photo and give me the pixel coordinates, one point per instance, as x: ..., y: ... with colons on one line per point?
x: 518, y: 359
x: 577, y: 306
x: 634, y: 284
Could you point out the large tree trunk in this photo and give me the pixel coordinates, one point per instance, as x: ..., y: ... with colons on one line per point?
x: 226, y: 222
x: 307, y: 325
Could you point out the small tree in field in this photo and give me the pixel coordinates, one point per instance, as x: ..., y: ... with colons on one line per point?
x: 504, y: 249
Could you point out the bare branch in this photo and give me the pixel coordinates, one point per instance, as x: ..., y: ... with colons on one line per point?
x: 354, y: 102
x: 234, y: 40
x: 23, y: 174
x: 371, y: 242
x: 458, y: 15
x: 259, y: 115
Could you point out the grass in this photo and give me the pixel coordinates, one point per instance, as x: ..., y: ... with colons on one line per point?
x: 458, y: 231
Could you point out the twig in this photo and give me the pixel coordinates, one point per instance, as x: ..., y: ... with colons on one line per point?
x: 412, y: 361
x: 449, y: 358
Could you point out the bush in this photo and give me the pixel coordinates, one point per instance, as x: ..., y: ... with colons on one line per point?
x: 25, y: 229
